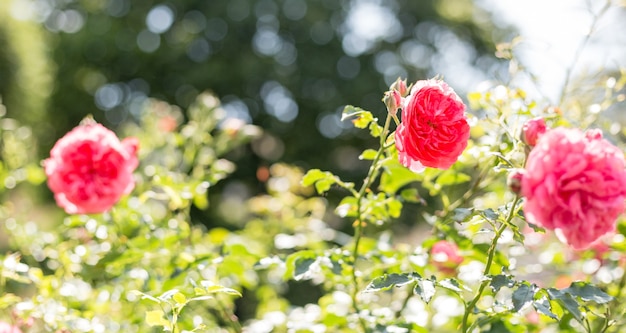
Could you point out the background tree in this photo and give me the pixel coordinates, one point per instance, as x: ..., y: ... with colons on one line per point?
x: 288, y: 66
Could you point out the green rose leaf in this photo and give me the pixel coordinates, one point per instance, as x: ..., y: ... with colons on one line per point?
x: 425, y: 289
x: 323, y: 180
x: 156, y: 318
x: 298, y: 264
x: 566, y: 301
x: 588, y: 292
x: 522, y: 296
x: 363, y: 117
x: 543, y: 306
x: 396, y: 176
x: 451, y: 284
x: 499, y: 281
x: 389, y: 281
x: 375, y: 129
x: 462, y: 214
x: 368, y: 154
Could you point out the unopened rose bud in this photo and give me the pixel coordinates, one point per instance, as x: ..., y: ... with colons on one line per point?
x: 400, y: 86
x: 514, y: 181
x: 532, y: 130
x: 393, y: 101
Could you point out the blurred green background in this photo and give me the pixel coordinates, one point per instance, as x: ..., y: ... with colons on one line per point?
x: 289, y: 66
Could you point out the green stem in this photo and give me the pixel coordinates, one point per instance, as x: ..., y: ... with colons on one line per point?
x: 491, y: 254
x: 358, y: 224
x: 588, y: 326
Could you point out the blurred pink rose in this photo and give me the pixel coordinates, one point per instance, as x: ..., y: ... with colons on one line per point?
x: 434, y: 130
x: 7, y: 328
x: 445, y: 256
x: 574, y: 183
x: 89, y: 169
x: 532, y: 130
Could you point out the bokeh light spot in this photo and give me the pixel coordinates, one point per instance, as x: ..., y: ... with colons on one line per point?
x: 216, y: 29
x: 267, y: 42
x: 194, y: 22
x: 294, y: 9
x: 279, y: 102
x: 160, y: 19
x: 118, y: 8
x: 348, y: 67
x: 321, y: 33
x: 199, y: 50
x: 329, y: 125
x: 236, y: 108
x: 238, y: 10
x: 109, y: 96
x: 148, y: 41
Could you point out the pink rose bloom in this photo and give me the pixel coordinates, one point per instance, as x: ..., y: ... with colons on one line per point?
x: 575, y: 183
x: 89, y: 169
x: 532, y: 130
x: 445, y: 256
x: 7, y: 328
x: 434, y: 130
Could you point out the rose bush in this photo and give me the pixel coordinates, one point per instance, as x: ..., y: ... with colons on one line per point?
x: 575, y: 183
x: 459, y: 247
x: 434, y: 130
x: 89, y: 169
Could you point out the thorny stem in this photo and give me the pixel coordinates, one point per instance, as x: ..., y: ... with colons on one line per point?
x: 491, y: 254
x: 358, y: 224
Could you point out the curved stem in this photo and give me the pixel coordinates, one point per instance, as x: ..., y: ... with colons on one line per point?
x: 358, y: 224
x: 491, y: 254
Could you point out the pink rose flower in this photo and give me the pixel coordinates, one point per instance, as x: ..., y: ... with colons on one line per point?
x: 434, y: 130
x: 574, y: 183
x: 89, y: 169
x: 532, y: 130
x: 8, y: 328
x: 445, y: 256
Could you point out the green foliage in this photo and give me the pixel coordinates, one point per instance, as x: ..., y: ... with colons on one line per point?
x: 309, y: 251
x: 144, y: 267
x: 26, y: 68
